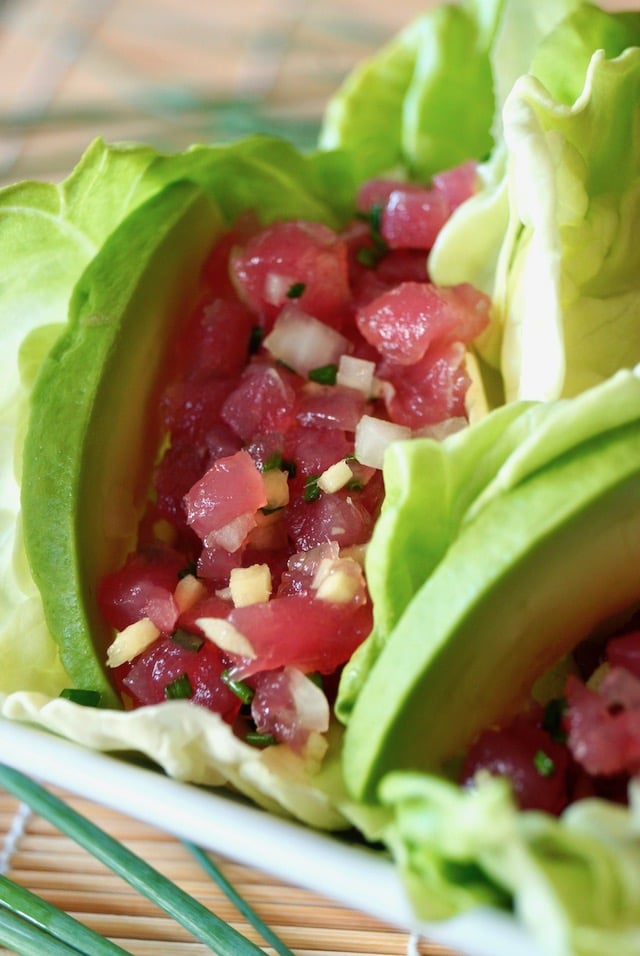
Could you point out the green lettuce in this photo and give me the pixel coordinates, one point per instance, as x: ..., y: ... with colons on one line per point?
x: 557, y: 214
x: 574, y: 882
x: 555, y: 129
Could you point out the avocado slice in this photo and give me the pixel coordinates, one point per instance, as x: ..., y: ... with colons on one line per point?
x: 535, y: 571
x: 91, y: 442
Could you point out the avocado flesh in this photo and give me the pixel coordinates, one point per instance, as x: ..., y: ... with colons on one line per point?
x: 91, y: 441
x: 534, y: 573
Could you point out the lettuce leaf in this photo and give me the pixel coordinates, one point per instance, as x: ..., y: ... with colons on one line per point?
x: 556, y: 217
x: 573, y: 881
x: 408, y: 108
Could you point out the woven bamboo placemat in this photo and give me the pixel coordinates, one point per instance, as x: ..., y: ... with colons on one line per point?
x: 173, y: 72
x: 37, y: 856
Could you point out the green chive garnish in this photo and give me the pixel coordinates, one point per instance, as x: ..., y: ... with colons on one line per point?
x: 222, y: 938
x: 311, y: 488
x: 191, y: 568
x: 255, y: 339
x: 544, y: 764
x: 368, y: 257
x: 58, y: 928
x: 179, y: 689
x: 88, y: 698
x: 553, y: 717
x: 239, y: 688
x: 324, y: 374
x: 296, y: 290
x: 187, y: 640
x: 210, y: 868
x: 257, y: 739
x: 273, y: 462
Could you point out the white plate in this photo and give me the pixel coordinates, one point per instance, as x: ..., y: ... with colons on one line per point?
x: 354, y: 876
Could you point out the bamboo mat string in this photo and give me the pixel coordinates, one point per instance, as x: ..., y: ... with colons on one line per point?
x: 15, y: 832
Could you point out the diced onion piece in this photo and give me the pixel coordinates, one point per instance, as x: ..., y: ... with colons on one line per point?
x: 311, y: 704
x: 276, y: 287
x: 231, y: 536
x: 131, y: 641
x: 276, y: 487
x: 356, y: 373
x: 250, y: 585
x: 373, y: 437
x: 226, y: 637
x: 335, y: 477
x: 188, y: 592
x: 338, y: 580
x: 303, y: 342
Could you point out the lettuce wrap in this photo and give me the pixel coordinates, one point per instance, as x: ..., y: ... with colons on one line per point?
x: 523, y: 89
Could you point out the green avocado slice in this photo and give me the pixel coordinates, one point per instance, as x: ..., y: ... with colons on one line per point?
x: 538, y: 569
x: 90, y: 437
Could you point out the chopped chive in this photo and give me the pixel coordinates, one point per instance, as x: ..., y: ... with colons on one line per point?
x: 255, y: 339
x: 553, y: 717
x: 273, y: 462
x: 179, y: 689
x: 316, y: 679
x: 355, y: 484
x: 296, y: 290
x: 290, y: 467
x: 544, y: 764
x: 191, y: 568
x: 192, y: 915
x: 256, y: 739
x: 368, y: 257
x: 311, y: 488
x: 239, y: 688
x: 210, y: 868
x: 61, y: 927
x: 187, y: 639
x: 374, y: 218
x: 324, y: 374
x: 88, y: 698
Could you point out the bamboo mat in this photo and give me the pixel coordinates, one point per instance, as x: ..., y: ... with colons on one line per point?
x: 37, y: 856
x: 173, y: 72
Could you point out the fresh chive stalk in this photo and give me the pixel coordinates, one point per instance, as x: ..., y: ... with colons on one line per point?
x: 27, y: 939
x: 62, y: 928
x: 223, y: 939
x: 240, y: 904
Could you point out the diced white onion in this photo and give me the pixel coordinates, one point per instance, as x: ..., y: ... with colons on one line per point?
x: 312, y: 707
x: 338, y: 580
x: 356, y: 373
x: 225, y: 636
x: 303, y: 342
x: 131, y: 641
x: 231, y: 535
x: 373, y: 437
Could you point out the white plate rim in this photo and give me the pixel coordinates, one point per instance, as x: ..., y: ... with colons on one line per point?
x: 356, y: 877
